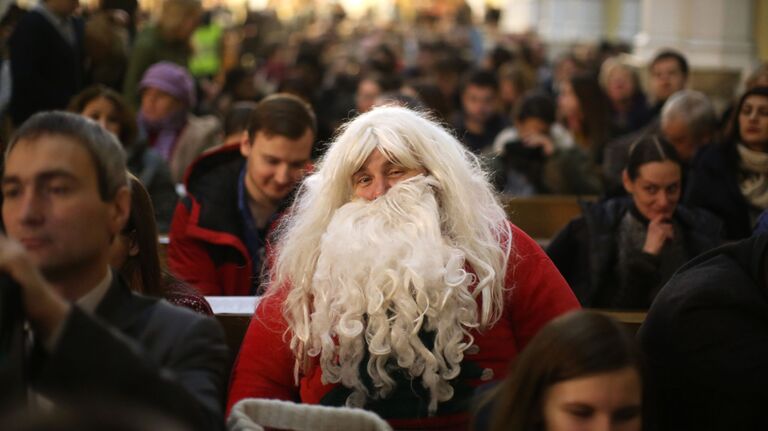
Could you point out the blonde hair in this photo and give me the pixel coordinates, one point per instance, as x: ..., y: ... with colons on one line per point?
x: 613, y: 64
x: 471, y: 217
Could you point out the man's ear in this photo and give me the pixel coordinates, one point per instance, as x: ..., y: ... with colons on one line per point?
x: 628, y: 185
x: 245, y: 145
x: 120, y: 210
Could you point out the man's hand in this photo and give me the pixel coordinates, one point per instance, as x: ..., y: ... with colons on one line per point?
x: 541, y: 141
x: 45, y: 308
x: 659, y: 231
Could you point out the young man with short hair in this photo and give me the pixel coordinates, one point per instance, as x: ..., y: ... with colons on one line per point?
x: 668, y: 74
x: 480, y: 119
x: 219, y: 231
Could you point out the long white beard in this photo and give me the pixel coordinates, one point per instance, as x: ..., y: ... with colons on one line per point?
x: 384, y: 274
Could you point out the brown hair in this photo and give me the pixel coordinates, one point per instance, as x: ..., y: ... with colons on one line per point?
x: 283, y: 114
x: 733, y: 129
x: 577, y: 344
x: 594, y: 108
x: 670, y: 54
x: 125, y: 115
x: 142, y: 271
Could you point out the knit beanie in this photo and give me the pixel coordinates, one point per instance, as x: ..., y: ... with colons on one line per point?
x: 171, y: 78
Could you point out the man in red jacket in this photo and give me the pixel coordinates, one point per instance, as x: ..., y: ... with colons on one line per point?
x: 235, y: 193
x: 398, y: 284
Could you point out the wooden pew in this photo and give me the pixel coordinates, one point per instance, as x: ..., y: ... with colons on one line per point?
x: 542, y: 217
x: 631, y: 319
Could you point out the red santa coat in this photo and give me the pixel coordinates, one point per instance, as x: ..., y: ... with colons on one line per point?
x: 535, y: 294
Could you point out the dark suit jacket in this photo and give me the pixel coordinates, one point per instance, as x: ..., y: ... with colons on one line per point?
x: 706, y: 342
x: 139, y: 351
x: 45, y: 69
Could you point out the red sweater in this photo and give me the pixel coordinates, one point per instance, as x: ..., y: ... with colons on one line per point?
x: 536, y: 293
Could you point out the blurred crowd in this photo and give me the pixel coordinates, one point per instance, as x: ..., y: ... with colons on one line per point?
x: 221, y: 118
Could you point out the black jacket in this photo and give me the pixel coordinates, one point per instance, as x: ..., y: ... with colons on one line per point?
x: 45, y: 69
x: 713, y: 184
x: 586, y: 250
x: 706, y: 342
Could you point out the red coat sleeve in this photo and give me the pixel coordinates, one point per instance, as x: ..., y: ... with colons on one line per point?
x: 187, y: 257
x: 265, y: 364
x: 537, y: 293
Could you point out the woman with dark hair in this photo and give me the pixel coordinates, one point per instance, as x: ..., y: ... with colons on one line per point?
x: 135, y: 255
x: 107, y: 107
x: 730, y: 178
x: 582, y: 369
x: 620, y: 252
x: 584, y: 109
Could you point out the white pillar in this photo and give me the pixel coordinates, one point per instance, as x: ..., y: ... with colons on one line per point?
x: 629, y: 24
x: 519, y: 16
x: 713, y: 34
x: 569, y: 21
x: 564, y: 23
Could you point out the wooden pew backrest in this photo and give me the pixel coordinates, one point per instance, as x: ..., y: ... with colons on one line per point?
x: 542, y: 217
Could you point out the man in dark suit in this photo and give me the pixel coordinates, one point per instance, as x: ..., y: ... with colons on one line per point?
x: 47, y: 59
x: 66, y: 197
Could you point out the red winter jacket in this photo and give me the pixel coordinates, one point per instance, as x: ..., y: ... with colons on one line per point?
x: 206, y: 249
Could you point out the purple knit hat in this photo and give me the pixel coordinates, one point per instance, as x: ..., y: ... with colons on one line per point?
x: 171, y: 78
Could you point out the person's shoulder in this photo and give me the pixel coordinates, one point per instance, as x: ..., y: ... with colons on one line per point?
x: 700, y: 219
x: 203, y: 124
x: 722, y: 277
x: 34, y: 15
x: 520, y: 239
x: 33, y: 21
x: 182, y: 295
x: 178, y: 319
x: 214, y: 167
x: 147, y: 37
x: 506, y: 135
x: 717, y: 155
x: 606, y: 213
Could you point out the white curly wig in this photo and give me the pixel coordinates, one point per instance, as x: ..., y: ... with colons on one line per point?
x: 472, y: 225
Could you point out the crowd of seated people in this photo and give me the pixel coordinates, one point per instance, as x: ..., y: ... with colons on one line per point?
x: 353, y: 179
x: 621, y: 251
